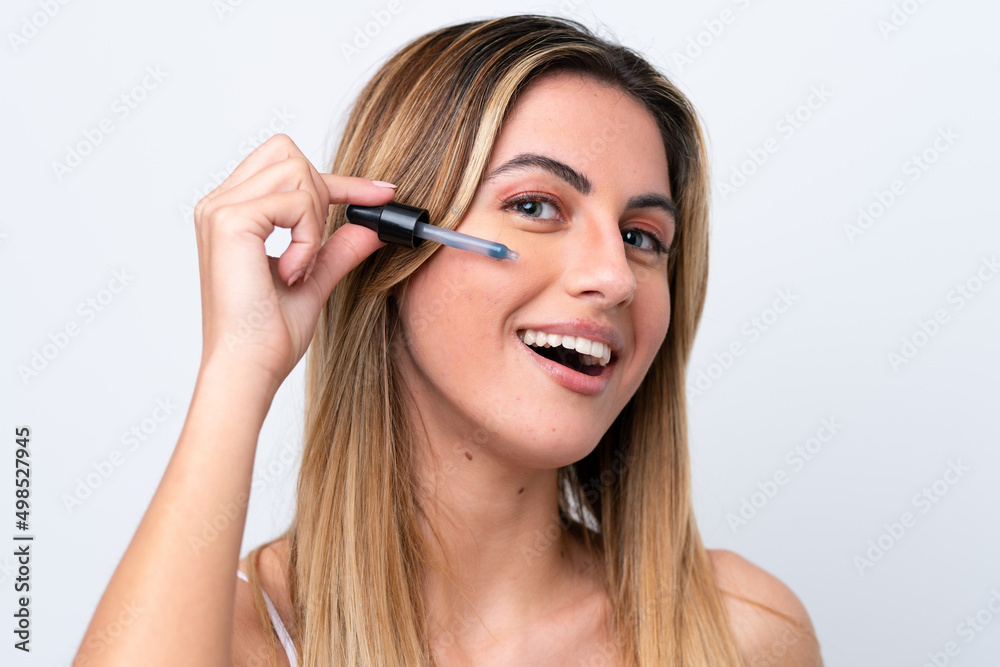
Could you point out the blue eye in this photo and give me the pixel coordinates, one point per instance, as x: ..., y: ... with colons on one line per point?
x: 531, y: 205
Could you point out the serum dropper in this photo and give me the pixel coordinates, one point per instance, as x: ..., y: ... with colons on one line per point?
x: 409, y: 226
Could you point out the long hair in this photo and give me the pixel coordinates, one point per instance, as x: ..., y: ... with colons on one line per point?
x: 427, y: 121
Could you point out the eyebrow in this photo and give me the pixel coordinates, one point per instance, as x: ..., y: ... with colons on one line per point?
x: 579, y: 182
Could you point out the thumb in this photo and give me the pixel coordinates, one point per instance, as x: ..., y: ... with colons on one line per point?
x: 346, y: 248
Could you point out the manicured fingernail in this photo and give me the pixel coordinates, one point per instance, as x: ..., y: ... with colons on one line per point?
x: 383, y: 184
x: 298, y: 274
x: 309, y: 269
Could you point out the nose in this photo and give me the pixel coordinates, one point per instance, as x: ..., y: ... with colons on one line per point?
x: 597, y: 267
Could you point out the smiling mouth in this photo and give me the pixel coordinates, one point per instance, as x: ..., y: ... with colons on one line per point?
x: 572, y: 359
x: 568, y: 358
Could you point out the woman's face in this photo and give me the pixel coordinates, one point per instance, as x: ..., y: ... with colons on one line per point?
x: 577, y: 183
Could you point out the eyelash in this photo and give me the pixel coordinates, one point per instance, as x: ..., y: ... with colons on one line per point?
x: 660, y: 249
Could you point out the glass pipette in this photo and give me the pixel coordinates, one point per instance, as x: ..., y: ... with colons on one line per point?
x: 408, y: 226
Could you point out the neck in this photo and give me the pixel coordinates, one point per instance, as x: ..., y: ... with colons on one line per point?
x: 501, y: 558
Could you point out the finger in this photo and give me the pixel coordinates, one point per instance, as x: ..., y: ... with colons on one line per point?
x: 343, y: 251
x: 295, y: 173
x: 277, y: 148
x: 293, y: 209
x: 356, y: 190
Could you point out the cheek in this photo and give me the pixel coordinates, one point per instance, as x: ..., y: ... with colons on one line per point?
x: 459, y: 309
x: 652, y: 317
x: 453, y: 313
x: 431, y: 312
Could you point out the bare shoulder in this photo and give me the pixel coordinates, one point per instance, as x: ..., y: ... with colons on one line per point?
x: 250, y: 638
x: 783, y: 639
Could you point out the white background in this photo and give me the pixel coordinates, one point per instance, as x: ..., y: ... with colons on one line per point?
x: 781, y: 227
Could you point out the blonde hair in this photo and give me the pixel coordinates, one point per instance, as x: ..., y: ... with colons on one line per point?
x: 427, y: 121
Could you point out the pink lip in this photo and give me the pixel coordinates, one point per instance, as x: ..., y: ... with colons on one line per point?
x: 588, y: 385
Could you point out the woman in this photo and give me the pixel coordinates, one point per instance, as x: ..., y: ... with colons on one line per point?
x: 473, y: 489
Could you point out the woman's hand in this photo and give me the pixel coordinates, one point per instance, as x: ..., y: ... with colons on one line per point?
x: 259, y: 312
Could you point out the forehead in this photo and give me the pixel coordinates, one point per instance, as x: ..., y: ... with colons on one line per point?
x: 594, y: 127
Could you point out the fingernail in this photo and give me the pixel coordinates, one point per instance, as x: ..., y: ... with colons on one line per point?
x: 383, y: 184
x: 298, y: 274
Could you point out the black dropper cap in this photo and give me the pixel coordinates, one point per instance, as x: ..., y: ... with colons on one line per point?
x: 393, y: 222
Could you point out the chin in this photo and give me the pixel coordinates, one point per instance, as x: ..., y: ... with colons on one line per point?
x: 555, y: 442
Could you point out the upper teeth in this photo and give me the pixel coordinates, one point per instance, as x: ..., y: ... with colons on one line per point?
x: 591, y: 351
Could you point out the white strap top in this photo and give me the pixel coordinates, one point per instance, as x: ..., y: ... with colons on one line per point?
x: 286, y: 639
